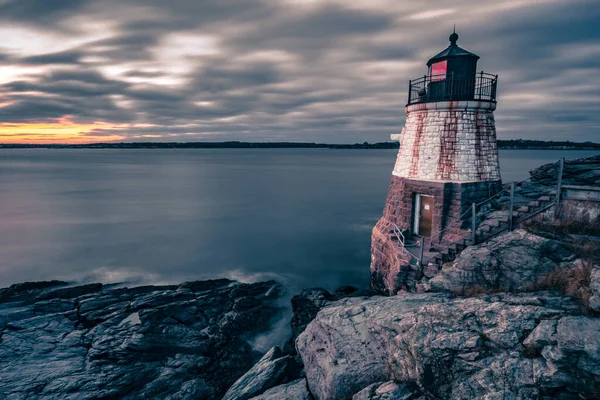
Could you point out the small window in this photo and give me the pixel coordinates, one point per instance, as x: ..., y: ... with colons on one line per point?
x: 438, y: 70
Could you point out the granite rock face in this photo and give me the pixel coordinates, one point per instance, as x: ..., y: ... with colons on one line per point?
x: 510, y: 262
x: 173, y: 342
x: 510, y: 346
x: 307, y: 304
x: 296, y: 390
x: 581, y: 171
x: 595, y: 289
x: 387, y: 391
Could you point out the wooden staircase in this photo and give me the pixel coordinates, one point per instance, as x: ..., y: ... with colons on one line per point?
x: 523, y: 213
x: 443, y: 253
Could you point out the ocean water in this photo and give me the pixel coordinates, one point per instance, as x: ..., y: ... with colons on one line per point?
x: 168, y: 215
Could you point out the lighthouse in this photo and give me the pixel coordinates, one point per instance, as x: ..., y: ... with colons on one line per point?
x: 448, y: 160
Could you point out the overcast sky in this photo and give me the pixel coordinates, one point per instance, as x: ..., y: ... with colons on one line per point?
x: 284, y: 70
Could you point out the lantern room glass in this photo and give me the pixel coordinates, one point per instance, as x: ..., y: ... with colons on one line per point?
x: 438, y: 70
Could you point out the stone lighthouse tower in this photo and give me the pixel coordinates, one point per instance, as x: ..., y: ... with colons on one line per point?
x: 447, y: 161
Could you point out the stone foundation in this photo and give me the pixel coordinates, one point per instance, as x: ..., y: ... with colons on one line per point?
x: 451, y: 220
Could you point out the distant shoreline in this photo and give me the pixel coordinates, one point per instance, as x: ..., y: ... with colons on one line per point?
x: 502, y: 144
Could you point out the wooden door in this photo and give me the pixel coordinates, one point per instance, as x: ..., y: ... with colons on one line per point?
x: 425, y: 215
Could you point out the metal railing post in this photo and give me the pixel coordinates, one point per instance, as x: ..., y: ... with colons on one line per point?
x: 512, y: 205
x: 480, y: 84
x: 493, y: 88
x: 409, y: 91
x: 422, y: 252
x: 474, y: 222
x: 559, y: 187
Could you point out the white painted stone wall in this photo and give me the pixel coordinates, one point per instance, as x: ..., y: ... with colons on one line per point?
x: 449, y: 141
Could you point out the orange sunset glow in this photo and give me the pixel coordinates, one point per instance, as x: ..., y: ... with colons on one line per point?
x: 61, y: 131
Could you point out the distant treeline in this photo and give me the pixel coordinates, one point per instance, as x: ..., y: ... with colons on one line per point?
x: 208, y: 145
x: 502, y: 144
x: 548, y: 145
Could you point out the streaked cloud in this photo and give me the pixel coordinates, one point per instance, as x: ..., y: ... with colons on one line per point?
x: 432, y: 14
x: 301, y: 70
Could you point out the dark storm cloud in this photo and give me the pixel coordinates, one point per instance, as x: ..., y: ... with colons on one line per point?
x: 220, y: 77
x: 293, y: 70
x: 69, y: 85
x: 84, y: 95
x: 125, y: 47
x: 30, y: 11
x: 323, y: 23
x: 62, y: 57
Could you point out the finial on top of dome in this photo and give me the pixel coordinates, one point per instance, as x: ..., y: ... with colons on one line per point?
x: 454, y: 37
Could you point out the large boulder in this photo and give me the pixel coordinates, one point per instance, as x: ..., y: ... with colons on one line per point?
x: 511, y: 262
x: 308, y: 302
x: 88, y: 342
x: 512, y: 346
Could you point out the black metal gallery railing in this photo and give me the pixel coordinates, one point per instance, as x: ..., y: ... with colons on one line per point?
x: 446, y: 87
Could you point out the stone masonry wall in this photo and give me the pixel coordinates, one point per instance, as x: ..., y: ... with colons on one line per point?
x: 389, y: 265
x: 449, y: 141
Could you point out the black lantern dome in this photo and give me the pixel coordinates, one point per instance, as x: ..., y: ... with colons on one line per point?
x: 453, y: 76
x: 452, y: 51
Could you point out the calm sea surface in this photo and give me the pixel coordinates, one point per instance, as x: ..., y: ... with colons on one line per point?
x: 166, y: 216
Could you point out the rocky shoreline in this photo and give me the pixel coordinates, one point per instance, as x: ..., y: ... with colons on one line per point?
x: 188, y: 341
x: 515, y: 317
x: 193, y: 341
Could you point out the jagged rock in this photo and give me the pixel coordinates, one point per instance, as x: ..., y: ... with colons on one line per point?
x: 296, y: 390
x: 454, y: 348
x: 20, y: 291
x: 70, y: 292
x: 386, y: 391
x: 544, y: 334
x: 430, y: 270
x: 88, y: 342
x: 201, y: 286
x: 270, y: 371
x: 510, y: 262
x: 305, y: 306
x: 595, y: 289
x: 581, y: 171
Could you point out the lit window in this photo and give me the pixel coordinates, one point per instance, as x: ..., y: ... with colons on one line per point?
x: 438, y: 71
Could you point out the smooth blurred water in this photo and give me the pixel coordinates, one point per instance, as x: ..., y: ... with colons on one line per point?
x: 158, y: 216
